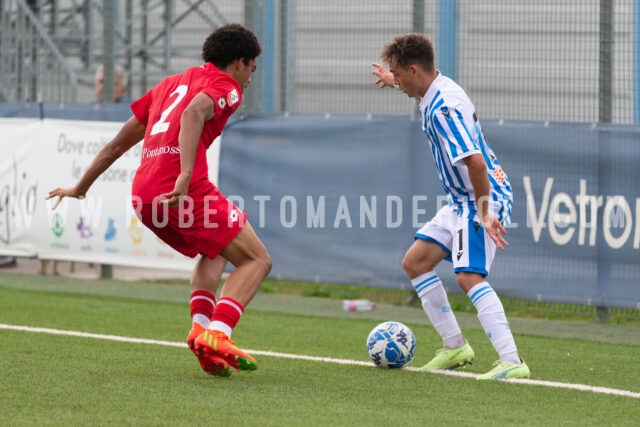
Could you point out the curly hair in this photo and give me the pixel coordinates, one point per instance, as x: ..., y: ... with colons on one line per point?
x: 408, y: 49
x: 228, y: 43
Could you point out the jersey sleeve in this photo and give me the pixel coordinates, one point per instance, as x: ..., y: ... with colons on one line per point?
x: 226, y: 94
x: 140, y: 108
x: 456, y: 131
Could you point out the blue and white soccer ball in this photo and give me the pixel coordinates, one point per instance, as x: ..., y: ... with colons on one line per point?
x: 391, y: 345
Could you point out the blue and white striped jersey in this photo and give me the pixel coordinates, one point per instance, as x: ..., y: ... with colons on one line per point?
x: 452, y: 128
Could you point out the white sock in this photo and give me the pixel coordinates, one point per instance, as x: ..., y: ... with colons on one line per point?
x: 494, y: 322
x: 217, y: 325
x: 436, y: 304
x: 201, y: 320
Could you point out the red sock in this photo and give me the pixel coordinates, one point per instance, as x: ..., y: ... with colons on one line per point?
x: 226, y: 315
x: 202, y: 304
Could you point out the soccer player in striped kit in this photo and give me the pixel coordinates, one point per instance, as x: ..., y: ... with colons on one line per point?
x: 468, y: 230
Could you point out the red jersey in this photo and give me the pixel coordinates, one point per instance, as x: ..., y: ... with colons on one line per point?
x: 160, y: 111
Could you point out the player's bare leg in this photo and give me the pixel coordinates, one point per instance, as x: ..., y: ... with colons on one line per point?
x: 419, y: 264
x: 252, y: 261
x: 467, y: 280
x: 421, y: 257
x: 205, y: 280
x: 207, y: 273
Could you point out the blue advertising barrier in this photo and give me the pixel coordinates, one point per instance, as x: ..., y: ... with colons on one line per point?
x: 337, y: 198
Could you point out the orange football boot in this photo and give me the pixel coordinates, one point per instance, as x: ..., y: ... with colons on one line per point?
x: 211, y: 364
x: 218, y: 344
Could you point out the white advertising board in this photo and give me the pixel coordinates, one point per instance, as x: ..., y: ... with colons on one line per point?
x: 40, y: 155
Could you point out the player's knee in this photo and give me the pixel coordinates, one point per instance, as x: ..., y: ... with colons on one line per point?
x: 416, y: 266
x: 266, y: 263
x: 261, y: 262
x: 410, y: 266
x: 466, y: 281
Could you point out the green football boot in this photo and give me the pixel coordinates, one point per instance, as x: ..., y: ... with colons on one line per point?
x: 450, y: 358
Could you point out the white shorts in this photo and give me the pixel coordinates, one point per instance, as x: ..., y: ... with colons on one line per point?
x: 466, y: 242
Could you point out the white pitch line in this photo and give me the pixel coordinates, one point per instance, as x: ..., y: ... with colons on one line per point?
x: 579, y: 387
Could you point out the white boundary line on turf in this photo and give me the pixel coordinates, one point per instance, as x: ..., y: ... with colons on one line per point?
x: 579, y: 387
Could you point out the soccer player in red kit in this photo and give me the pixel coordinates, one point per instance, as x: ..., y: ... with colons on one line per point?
x: 172, y: 195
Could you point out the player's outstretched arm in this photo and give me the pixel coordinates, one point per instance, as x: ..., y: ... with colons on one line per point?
x: 129, y: 135
x: 385, y: 78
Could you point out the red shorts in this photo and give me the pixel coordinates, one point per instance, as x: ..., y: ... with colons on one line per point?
x: 204, y: 225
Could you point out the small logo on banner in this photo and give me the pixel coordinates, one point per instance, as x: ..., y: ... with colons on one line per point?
x: 84, y: 229
x: 112, y: 230
x: 57, y: 227
x: 135, y: 231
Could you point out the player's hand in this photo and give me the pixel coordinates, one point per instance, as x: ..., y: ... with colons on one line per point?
x: 61, y: 193
x: 495, y: 230
x: 385, y: 78
x: 180, y: 190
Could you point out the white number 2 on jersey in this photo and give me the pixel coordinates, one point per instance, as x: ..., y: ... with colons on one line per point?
x: 161, y: 125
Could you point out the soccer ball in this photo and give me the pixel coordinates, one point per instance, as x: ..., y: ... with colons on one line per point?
x: 391, y: 345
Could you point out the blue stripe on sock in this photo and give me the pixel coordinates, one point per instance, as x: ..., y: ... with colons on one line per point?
x: 422, y: 286
x: 475, y: 297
